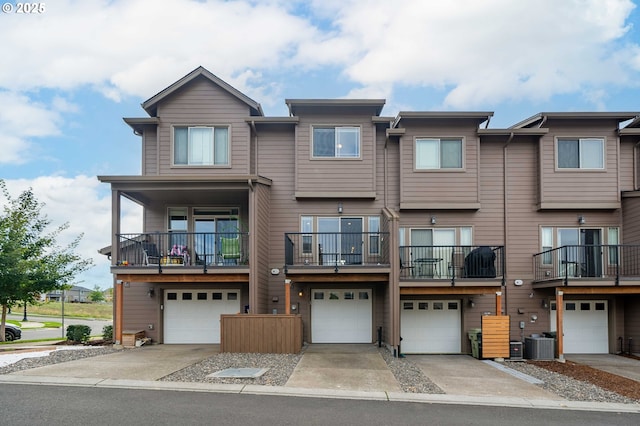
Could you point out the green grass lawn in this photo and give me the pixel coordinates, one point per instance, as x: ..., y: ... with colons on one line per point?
x: 79, y: 310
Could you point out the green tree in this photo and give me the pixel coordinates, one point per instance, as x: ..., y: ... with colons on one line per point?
x: 96, y: 294
x: 31, y: 261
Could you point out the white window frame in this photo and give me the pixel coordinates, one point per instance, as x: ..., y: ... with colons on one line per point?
x: 374, y: 235
x: 306, y: 225
x: 581, y: 159
x: 546, y: 241
x: 218, y: 152
x: 339, y: 133
x: 613, y: 238
x: 437, y: 153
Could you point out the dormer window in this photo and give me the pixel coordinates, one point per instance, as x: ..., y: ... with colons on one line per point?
x: 201, y: 146
x: 336, y: 142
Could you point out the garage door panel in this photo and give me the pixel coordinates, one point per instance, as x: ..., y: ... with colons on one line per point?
x: 585, y: 323
x: 341, y: 316
x: 430, y: 326
x: 193, y: 316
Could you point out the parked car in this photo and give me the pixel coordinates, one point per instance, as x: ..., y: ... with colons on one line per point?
x: 12, y: 332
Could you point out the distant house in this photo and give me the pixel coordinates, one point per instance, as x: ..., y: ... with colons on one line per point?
x: 76, y: 294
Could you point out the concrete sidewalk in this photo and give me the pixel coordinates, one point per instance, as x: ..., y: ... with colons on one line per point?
x: 327, y: 371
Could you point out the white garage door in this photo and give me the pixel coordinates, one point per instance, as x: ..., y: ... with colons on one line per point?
x: 341, y: 316
x: 193, y: 316
x: 430, y: 326
x: 585, y: 326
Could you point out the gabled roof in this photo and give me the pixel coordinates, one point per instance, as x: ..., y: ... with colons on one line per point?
x: 150, y: 105
x: 371, y: 106
x: 541, y: 117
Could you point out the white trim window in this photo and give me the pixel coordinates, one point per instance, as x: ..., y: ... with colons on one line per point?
x: 201, y: 146
x: 336, y: 142
x: 547, y: 245
x: 580, y: 153
x: 434, y: 153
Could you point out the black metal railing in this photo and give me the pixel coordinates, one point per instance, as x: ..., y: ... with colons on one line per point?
x: 191, y: 249
x: 451, y: 262
x: 587, y: 261
x: 336, y: 248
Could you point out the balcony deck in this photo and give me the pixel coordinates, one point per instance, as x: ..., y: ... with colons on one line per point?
x: 438, y: 266
x: 588, y: 266
x: 182, y: 253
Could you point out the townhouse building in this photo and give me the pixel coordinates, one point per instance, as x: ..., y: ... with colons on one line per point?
x: 406, y: 229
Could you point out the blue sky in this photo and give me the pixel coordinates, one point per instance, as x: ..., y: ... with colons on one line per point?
x: 70, y: 73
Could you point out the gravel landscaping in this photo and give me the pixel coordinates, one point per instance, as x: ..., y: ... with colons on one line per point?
x: 594, y: 385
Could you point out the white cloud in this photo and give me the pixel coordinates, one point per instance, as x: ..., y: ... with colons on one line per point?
x: 85, y: 204
x: 480, y: 51
x: 20, y: 120
x: 489, y: 51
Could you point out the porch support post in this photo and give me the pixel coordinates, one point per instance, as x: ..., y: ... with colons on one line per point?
x: 559, y: 324
x: 498, y: 303
x: 118, y: 314
x: 287, y: 297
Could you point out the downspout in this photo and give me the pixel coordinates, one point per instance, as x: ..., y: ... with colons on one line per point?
x: 505, y: 221
x: 252, y: 123
x: 635, y: 166
x: 386, y: 182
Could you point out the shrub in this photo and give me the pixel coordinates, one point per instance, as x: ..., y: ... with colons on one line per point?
x: 78, y: 333
x: 107, y: 332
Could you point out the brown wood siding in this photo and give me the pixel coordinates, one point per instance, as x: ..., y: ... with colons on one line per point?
x: 568, y: 186
x: 339, y: 174
x: 632, y: 323
x: 627, y: 162
x: 205, y: 104
x: 150, y: 152
x: 441, y: 186
x: 140, y: 310
x: 276, y: 154
x: 262, y: 231
x: 631, y: 218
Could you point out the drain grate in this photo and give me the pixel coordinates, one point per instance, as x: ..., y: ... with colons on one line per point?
x: 240, y: 373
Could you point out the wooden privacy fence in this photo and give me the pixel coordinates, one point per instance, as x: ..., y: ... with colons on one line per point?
x: 278, y: 334
x: 495, y: 336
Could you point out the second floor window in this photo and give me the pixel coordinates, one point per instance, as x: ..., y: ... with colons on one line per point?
x: 586, y: 153
x: 438, y: 153
x: 336, y: 142
x: 201, y: 146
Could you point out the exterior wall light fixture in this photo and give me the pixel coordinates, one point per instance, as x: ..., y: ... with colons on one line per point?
x: 581, y: 220
x: 433, y: 220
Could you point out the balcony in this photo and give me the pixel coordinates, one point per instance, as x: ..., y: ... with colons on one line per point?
x: 336, y: 250
x: 182, y: 252
x: 582, y: 264
x: 470, y: 265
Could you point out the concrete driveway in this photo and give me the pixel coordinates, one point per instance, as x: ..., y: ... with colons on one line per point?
x: 625, y: 367
x: 465, y: 375
x: 145, y: 363
x: 357, y: 367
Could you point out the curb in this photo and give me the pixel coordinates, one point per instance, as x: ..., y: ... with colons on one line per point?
x: 323, y: 393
